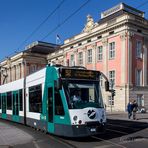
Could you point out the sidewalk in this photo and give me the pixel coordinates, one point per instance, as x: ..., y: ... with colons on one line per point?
x: 11, y: 135
x: 141, y: 117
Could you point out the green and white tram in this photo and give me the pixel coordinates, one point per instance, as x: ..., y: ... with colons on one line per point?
x: 46, y: 100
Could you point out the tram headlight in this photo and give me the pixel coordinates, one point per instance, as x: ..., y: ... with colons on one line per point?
x: 75, y: 118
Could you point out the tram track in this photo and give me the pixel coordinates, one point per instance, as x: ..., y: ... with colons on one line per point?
x: 109, y: 142
x: 62, y: 141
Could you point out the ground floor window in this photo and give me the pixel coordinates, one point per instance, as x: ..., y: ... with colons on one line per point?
x: 140, y: 99
x: 110, y: 101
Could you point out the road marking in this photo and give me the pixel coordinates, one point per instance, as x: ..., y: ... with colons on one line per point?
x: 117, y: 131
x: 35, y: 144
x: 108, y: 141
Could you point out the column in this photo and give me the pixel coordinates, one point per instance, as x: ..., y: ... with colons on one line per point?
x: 105, y: 56
x: 129, y: 55
x: 145, y: 60
x: 94, y: 56
x: 123, y: 58
x: 85, y: 57
x: 75, y: 57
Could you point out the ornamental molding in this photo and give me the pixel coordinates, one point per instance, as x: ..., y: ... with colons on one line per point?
x: 130, y: 35
x: 104, y: 41
x: 123, y: 36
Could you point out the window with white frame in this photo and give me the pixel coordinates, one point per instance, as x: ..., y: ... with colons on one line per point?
x: 139, y: 49
x: 111, y: 50
x: 101, y: 80
x: 110, y: 101
x: 89, y: 56
x: 140, y: 99
x: 100, y: 53
x: 33, y: 68
x: 72, y: 60
x: 80, y: 58
x: 139, y: 77
x: 112, y: 78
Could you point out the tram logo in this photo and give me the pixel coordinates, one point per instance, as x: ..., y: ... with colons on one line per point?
x: 91, y: 114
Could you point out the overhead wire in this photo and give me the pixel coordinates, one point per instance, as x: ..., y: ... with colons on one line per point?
x: 69, y: 17
x: 40, y: 25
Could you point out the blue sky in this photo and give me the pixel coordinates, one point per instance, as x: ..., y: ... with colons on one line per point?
x: 19, y: 18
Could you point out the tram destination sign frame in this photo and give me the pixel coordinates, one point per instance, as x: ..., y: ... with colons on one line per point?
x: 80, y: 74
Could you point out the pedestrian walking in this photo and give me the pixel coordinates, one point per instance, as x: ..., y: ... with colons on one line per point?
x: 135, y: 109
x: 129, y: 109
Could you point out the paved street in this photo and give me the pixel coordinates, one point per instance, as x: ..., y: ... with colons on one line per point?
x: 120, y: 132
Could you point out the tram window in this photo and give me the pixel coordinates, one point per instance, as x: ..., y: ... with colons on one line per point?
x: 0, y: 101
x: 59, y: 109
x: 9, y: 100
x: 35, y: 98
x: 21, y: 99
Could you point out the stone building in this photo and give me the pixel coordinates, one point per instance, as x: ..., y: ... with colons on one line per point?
x: 33, y: 58
x: 117, y: 45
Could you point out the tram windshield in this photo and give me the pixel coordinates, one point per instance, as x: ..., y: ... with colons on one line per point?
x: 82, y: 94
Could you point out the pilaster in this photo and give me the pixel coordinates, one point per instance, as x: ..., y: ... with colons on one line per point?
x: 105, y: 56
x: 123, y: 37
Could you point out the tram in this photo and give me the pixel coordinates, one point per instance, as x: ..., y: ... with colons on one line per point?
x: 45, y: 100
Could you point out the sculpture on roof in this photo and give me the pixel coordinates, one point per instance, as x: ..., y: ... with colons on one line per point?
x: 89, y: 25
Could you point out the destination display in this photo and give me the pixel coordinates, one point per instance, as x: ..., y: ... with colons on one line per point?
x: 80, y: 74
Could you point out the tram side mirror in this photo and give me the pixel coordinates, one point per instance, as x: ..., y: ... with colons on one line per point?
x: 58, y: 84
x: 106, y: 85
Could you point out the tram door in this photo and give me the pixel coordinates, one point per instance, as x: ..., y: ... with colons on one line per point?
x: 50, y: 110
x: 4, y: 104
x: 16, y: 106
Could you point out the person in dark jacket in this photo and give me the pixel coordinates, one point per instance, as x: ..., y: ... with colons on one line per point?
x: 129, y: 109
x: 134, y: 109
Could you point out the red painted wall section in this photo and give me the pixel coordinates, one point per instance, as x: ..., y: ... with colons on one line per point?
x: 115, y: 64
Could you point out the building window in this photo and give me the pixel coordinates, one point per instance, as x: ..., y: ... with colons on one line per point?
x: 9, y: 100
x: 110, y: 101
x: 140, y: 100
x: 33, y: 68
x: 88, y: 41
x: 80, y: 58
x: 35, y: 98
x: 139, y: 49
x: 112, y: 78
x: 101, y: 80
x: 139, y: 77
x: 79, y: 44
x: 100, y: 53
x: 112, y: 50
x: 72, y: 60
x: 89, y: 56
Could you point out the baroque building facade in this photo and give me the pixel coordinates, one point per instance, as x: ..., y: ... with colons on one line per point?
x: 117, y: 45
